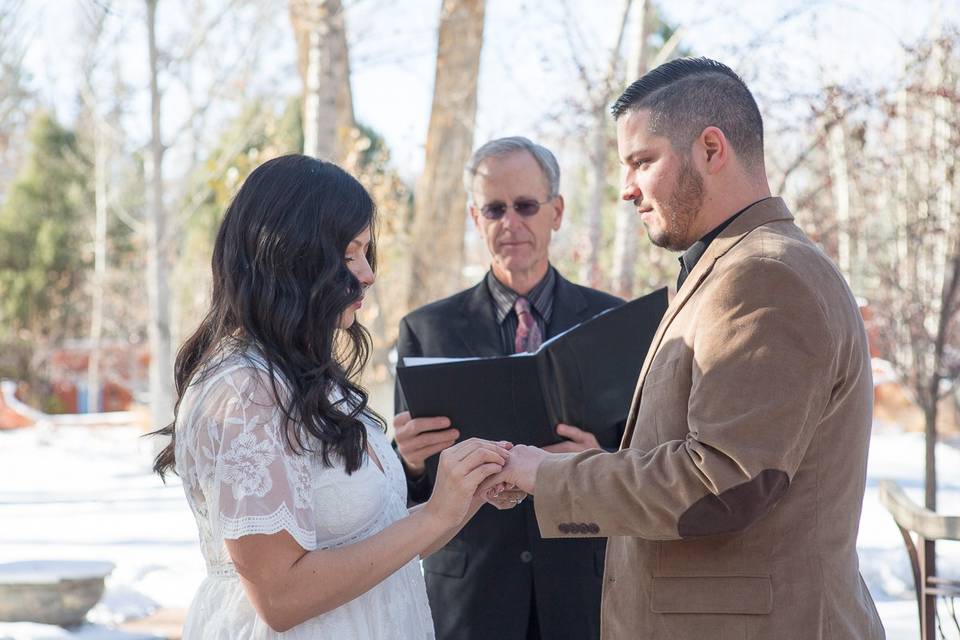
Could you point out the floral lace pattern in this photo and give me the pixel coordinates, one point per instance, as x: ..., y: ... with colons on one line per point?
x: 241, y: 478
x: 245, y: 466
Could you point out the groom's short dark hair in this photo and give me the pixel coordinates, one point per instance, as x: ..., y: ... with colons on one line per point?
x: 686, y: 96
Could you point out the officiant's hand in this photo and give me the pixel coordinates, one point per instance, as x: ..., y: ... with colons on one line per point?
x: 577, y: 440
x: 420, y: 438
x: 520, y: 470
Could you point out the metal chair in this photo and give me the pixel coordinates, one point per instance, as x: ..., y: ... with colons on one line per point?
x: 928, y: 527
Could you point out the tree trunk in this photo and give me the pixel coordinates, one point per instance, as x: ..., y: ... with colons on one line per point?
x: 590, y: 274
x: 158, y: 297
x: 930, y: 458
x: 99, y: 263
x: 599, y: 153
x: 840, y: 179
x: 440, y: 204
x: 328, y: 123
x: 627, y: 234
x: 945, y: 254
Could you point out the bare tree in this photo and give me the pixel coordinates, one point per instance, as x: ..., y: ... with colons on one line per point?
x: 217, y: 27
x: 912, y: 280
x: 924, y: 279
x: 599, y: 153
x: 440, y: 205
x: 600, y: 89
x: 918, y: 297
x: 909, y: 170
x: 158, y: 294
x: 13, y: 91
x: 100, y: 140
x: 328, y: 122
x: 626, y: 236
x: 840, y: 179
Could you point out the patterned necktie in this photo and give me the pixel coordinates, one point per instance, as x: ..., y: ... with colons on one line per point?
x: 528, y: 332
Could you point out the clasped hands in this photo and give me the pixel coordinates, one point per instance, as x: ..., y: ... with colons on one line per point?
x: 420, y: 438
x: 510, y: 471
x: 475, y: 471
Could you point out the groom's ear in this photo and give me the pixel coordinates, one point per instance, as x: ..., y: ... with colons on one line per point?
x: 712, y: 151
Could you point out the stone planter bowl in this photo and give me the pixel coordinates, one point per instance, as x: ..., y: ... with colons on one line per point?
x: 51, y: 591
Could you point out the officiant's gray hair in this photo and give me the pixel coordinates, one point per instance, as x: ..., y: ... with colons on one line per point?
x: 504, y: 147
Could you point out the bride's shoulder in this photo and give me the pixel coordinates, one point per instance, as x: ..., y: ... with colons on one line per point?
x: 235, y: 375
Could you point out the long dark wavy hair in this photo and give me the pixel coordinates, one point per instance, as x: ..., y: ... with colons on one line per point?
x: 280, y: 285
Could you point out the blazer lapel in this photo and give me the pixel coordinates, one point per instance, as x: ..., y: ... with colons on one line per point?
x: 765, y: 211
x: 477, y: 325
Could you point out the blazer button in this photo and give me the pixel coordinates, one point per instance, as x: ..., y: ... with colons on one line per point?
x: 594, y: 528
x: 526, y: 556
x: 582, y: 529
x: 564, y: 527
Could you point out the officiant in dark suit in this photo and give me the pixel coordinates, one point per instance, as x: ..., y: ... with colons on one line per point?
x: 498, y: 578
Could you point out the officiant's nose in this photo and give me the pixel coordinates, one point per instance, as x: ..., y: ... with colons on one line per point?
x: 511, y: 219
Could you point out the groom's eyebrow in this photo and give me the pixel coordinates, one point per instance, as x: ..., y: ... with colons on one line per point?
x: 636, y: 155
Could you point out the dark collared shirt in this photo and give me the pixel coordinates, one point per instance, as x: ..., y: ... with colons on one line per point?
x: 541, y: 303
x: 692, y: 255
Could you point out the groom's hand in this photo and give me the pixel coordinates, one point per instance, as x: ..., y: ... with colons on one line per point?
x: 520, y: 470
x: 577, y: 440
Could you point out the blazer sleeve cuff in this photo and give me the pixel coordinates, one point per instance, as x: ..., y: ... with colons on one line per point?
x: 555, y: 506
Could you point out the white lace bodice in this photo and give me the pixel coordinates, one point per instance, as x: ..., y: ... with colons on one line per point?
x: 241, y: 477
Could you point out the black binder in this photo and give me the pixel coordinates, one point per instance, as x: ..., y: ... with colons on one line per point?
x: 584, y: 377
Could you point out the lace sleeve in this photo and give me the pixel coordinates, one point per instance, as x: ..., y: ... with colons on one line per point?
x: 253, y: 482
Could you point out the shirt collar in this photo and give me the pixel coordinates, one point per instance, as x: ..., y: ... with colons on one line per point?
x: 689, y: 259
x: 540, y: 297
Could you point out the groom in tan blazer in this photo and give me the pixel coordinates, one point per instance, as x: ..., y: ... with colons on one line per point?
x: 733, y: 504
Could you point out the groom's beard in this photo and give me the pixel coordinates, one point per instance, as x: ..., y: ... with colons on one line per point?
x: 680, y: 210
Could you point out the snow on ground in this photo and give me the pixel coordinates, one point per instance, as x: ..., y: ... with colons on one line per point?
x: 77, y: 493
x: 883, y: 559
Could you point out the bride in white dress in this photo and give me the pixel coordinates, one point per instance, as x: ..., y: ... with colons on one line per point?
x: 299, y: 499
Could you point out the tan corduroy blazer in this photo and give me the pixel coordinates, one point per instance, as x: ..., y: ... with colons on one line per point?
x: 733, y: 504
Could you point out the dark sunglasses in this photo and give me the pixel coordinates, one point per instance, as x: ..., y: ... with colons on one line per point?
x: 524, y: 207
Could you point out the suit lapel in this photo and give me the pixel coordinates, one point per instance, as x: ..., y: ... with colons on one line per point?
x: 765, y: 211
x: 569, y: 307
x: 478, y: 329
x: 477, y: 325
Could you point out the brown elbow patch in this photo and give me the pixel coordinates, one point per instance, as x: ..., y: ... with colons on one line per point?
x: 734, y: 509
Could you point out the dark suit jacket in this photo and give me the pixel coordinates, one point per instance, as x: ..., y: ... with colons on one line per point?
x: 479, y: 585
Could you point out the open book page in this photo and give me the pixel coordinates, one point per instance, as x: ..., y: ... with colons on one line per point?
x: 547, y: 343
x: 415, y: 361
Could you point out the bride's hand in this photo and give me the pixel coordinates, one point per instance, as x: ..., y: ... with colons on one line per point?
x: 461, y: 469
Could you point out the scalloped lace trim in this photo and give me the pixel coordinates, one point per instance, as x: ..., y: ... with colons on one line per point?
x: 279, y: 520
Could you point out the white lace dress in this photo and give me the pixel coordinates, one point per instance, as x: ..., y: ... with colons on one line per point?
x: 241, y: 478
